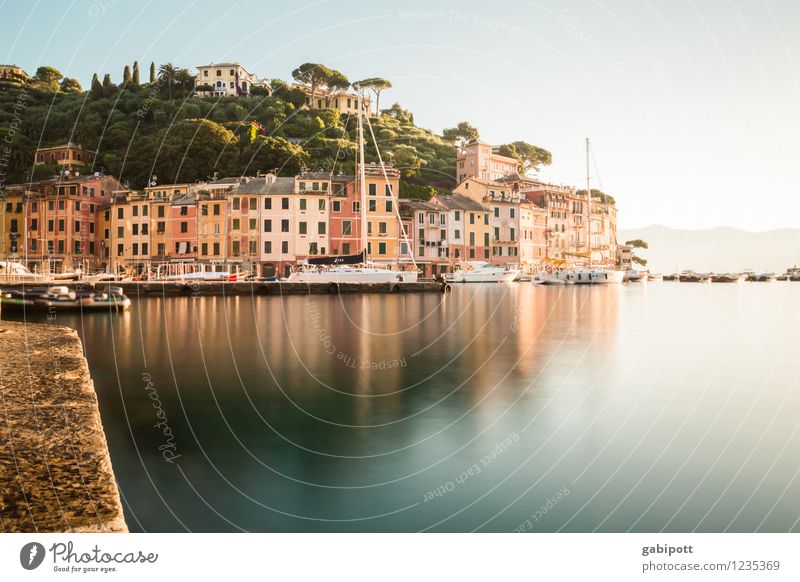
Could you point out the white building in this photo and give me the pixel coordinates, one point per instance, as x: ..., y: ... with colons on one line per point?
x: 226, y: 80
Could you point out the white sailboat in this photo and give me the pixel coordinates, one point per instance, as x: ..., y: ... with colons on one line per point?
x: 356, y: 268
x: 482, y: 272
x: 590, y: 275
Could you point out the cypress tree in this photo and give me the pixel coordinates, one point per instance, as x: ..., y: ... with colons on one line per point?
x: 108, y: 86
x: 152, y: 73
x: 126, y: 75
x: 136, y: 73
x: 97, y: 88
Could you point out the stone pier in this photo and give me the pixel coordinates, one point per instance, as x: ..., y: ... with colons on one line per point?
x: 55, y: 469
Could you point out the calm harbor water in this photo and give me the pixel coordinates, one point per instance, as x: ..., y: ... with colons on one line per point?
x: 496, y: 408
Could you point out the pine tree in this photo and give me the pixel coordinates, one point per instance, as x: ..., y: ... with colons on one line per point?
x: 136, y: 73
x: 152, y: 73
x: 126, y: 75
x: 97, y: 88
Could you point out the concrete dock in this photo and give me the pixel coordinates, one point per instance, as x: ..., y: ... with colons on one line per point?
x: 55, y: 468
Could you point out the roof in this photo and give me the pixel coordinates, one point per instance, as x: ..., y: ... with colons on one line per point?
x: 185, y: 200
x: 62, y: 146
x: 262, y: 186
x: 420, y: 205
x: 459, y: 202
x: 314, y: 176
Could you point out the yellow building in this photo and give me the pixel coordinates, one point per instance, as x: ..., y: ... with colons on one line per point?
x: 324, y: 99
x: 226, y: 80
x: 383, y: 226
x: 479, y: 160
x: 129, y: 232
x: 213, y: 209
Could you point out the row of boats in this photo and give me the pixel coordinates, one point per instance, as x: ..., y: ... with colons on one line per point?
x: 59, y: 298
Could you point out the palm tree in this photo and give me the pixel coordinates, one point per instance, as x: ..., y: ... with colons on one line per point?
x: 167, y: 73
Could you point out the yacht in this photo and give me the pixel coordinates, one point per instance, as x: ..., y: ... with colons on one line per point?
x: 355, y: 268
x: 482, y: 272
x: 11, y: 272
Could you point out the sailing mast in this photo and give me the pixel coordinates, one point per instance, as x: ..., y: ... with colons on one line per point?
x: 362, y: 179
x: 588, y: 207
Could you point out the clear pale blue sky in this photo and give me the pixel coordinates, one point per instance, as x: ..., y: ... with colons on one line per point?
x: 693, y: 107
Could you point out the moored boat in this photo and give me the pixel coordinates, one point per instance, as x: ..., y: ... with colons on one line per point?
x: 692, y: 277
x: 481, y: 272
x: 655, y: 277
x: 767, y: 277
x: 727, y: 278
x: 62, y: 298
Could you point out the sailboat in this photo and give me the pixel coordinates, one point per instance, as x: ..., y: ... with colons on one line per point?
x: 357, y: 268
x: 590, y: 275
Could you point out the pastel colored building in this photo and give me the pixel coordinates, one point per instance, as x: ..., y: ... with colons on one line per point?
x: 479, y: 160
x: 344, y: 102
x: 226, y: 80
x: 428, y: 226
x: 344, y: 218
x: 383, y: 228
x: 469, y: 227
x: 68, y: 155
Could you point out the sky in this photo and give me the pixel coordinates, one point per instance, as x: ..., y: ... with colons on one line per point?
x: 693, y: 108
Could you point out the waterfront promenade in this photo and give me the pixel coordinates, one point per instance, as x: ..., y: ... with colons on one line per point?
x: 54, y: 462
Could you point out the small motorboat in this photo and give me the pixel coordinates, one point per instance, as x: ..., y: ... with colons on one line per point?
x: 692, y: 277
x: 727, y: 278
x: 634, y: 276
x: 767, y: 277
x: 672, y: 277
x: 655, y: 277
x: 62, y: 298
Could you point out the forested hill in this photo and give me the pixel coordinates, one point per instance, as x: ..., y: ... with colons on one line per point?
x: 160, y: 128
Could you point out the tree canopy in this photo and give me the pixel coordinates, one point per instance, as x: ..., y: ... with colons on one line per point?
x: 461, y: 135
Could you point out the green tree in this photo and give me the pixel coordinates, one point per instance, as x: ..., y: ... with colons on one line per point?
x: 167, y: 74
x: 600, y: 195
x: 96, y: 87
x: 152, y: 72
x: 314, y: 75
x: 126, y: 75
x: 69, y: 85
x: 108, y: 87
x: 268, y: 153
x: 48, y: 75
x: 404, y: 116
x: 376, y: 85
x: 637, y: 244
x: 135, y: 79
x: 194, y: 149
x: 461, y: 134
x: 406, y: 159
x: 530, y: 157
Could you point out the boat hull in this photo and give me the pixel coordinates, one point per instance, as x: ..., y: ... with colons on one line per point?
x: 354, y: 275
x: 592, y: 276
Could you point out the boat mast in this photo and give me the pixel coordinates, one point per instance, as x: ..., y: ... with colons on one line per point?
x: 362, y: 177
x: 588, y: 207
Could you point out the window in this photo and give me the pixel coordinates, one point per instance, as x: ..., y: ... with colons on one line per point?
x: 285, y: 225
x: 387, y: 190
x: 50, y: 225
x: 312, y: 248
x: 253, y: 224
x: 373, y: 205
x: 120, y: 213
x: 388, y: 206
x: 120, y: 232
x: 347, y: 227
x: 337, y: 206
x: 160, y: 212
x: 267, y: 203
x: 135, y: 249
x: 512, y: 235
x: 267, y: 226
x: 511, y: 213
x: 485, y: 219
x: 78, y: 206
x: 372, y: 190
x: 120, y: 250
x: 235, y: 224
x: 302, y: 204
x: 161, y: 227
x: 457, y: 216
x: 237, y: 203
x: 253, y: 247
x: 302, y: 228
x: 267, y: 247
x: 356, y: 206
x: 144, y: 228
x: 144, y: 248
x: 216, y: 209
x: 285, y: 247
x: 431, y: 218
x: 135, y: 210
x: 321, y: 204
x: 315, y: 187
x: 253, y: 204
x: 457, y: 234
x: 161, y: 249
x: 77, y: 226
x: 486, y: 239
x: 382, y: 248
x: 497, y: 212
x: 184, y: 211
x: 496, y: 233
x: 381, y: 228
x: 215, y: 248
x: 302, y: 186
x: 136, y: 229
x: 236, y: 248
x: 184, y: 227
x: 285, y: 203
x: 443, y: 234
x: 204, y: 210
x: 204, y: 249
x: 34, y: 224
x: 321, y: 228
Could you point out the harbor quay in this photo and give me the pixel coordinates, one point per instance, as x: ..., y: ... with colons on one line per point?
x: 54, y: 461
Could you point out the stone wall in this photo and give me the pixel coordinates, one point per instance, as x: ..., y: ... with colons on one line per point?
x: 55, y: 469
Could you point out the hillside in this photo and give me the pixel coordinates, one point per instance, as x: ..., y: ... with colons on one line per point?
x: 717, y: 249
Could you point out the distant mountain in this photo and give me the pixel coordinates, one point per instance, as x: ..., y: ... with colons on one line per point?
x: 720, y: 249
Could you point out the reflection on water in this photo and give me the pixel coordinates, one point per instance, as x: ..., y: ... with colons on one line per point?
x: 497, y: 408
